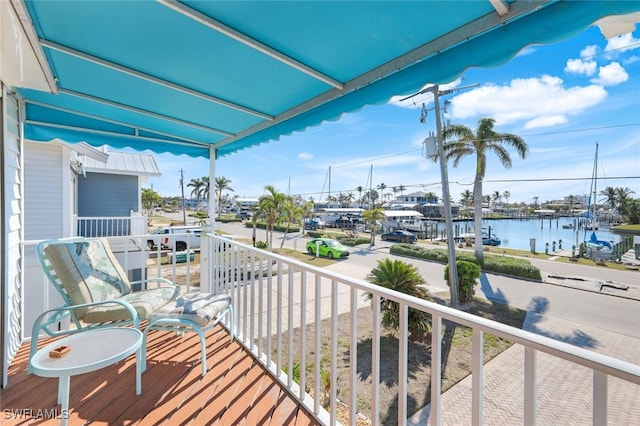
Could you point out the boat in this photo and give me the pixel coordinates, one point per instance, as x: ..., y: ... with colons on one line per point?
x: 593, y: 243
x: 490, y: 240
x: 487, y: 240
x: 568, y: 226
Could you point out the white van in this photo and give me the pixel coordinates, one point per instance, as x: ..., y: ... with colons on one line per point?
x: 178, y: 237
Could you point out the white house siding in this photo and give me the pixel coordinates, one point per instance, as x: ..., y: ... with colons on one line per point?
x: 11, y: 207
x: 48, y: 214
x: 45, y: 198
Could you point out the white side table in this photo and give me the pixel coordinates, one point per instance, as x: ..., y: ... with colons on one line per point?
x: 90, y: 351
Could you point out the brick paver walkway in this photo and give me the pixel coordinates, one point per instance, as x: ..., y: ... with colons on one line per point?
x: 564, y: 390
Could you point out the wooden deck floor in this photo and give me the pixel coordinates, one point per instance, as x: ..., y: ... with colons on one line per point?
x: 235, y: 391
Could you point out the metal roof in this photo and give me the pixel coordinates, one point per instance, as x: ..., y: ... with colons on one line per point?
x: 184, y: 77
x: 127, y: 163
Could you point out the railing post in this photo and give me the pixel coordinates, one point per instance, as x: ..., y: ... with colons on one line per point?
x: 477, y: 377
x: 436, y: 368
x: 599, y: 398
x: 403, y: 352
x: 530, y: 356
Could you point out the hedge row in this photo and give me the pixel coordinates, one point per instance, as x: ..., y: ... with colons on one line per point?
x: 277, y: 228
x: 500, y: 264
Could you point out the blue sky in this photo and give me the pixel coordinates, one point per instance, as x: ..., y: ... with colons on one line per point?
x: 561, y: 98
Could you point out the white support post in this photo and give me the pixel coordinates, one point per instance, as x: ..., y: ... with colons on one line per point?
x: 599, y: 398
x: 477, y: 377
x: 530, y: 356
x: 436, y: 368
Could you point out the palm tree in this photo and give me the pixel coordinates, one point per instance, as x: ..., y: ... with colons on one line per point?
x: 270, y: 206
x: 496, y: 197
x: 405, y: 278
x: 360, y: 190
x: 535, y: 202
x: 222, y: 184
x: 372, y: 217
x: 206, y: 189
x: 197, y: 185
x: 431, y: 197
x: 401, y: 188
x: 381, y: 187
x: 479, y: 144
x: 466, y: 197
x: 609, y: 196
x: 623, y: 196
x: 291, y: 213
x: 506, y: 195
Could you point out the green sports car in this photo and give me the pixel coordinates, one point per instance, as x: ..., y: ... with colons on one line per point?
x: 328, y: 247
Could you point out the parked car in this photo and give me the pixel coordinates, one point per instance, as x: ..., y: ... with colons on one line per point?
x: 344, y: 223
x: 327, y: 247
x: 180, y: 236
x: 313, y: 225
x: 400, y: 236
x: 243, y: 214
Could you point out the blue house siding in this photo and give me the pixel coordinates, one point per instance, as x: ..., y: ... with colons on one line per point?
x: 106, y: 195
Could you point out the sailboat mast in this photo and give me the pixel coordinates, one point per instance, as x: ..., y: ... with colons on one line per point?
x: 594, y: 221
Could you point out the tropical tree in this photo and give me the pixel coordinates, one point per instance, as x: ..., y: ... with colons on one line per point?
x: 197, y: 185
x: 360, y: 190
x: 395, y: 191
x: 221, y: 184
x: 466, y: 198
x: 206, y: 189
x: 623, y: 196
x: 150, y: 200
x: 506, y: 195
x: 431, y: 197
x: 535, y: 202
x: 461, y: 141
x: 372, y: 217
x: 609, y: 196
x: 404, y: 278
x: 401, y: 188
x: 496, y: 197
x: 381, y: 187
x: 270, y: 205
x: 372, y: 196
x: 290, y: 213
x: 633, y: 211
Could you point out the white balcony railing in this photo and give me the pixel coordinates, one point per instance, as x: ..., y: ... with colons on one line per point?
x: 274, y: 295
x: 90, y: 227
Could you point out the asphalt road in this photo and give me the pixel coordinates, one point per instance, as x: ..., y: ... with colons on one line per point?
x: 615, y: 314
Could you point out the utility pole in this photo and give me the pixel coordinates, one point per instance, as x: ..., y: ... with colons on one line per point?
x: 184, y: 213
x: 451, y: 245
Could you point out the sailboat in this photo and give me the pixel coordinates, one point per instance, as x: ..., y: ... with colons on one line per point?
x: 593, y: 242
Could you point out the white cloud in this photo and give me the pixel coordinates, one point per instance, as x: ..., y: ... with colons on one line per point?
x: 622, y: 43
x: 611, y: 75
x: 305, y: 156
x: 589, y: 52
x: 578, y: 66
x: 538, y: 102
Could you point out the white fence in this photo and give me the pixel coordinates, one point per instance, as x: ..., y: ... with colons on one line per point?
x: 91, y: 227
x: 274, y: 295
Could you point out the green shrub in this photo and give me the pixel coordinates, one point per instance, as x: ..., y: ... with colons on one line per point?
x: 315, y: 234
x: 468, y: 274
x: 492, y: 263
x: 261, y: 245
x: 351, y: 242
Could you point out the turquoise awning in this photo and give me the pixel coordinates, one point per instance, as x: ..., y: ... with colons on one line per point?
x: 181, y: 77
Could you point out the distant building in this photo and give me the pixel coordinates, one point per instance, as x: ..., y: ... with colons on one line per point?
x: 420, y: 202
